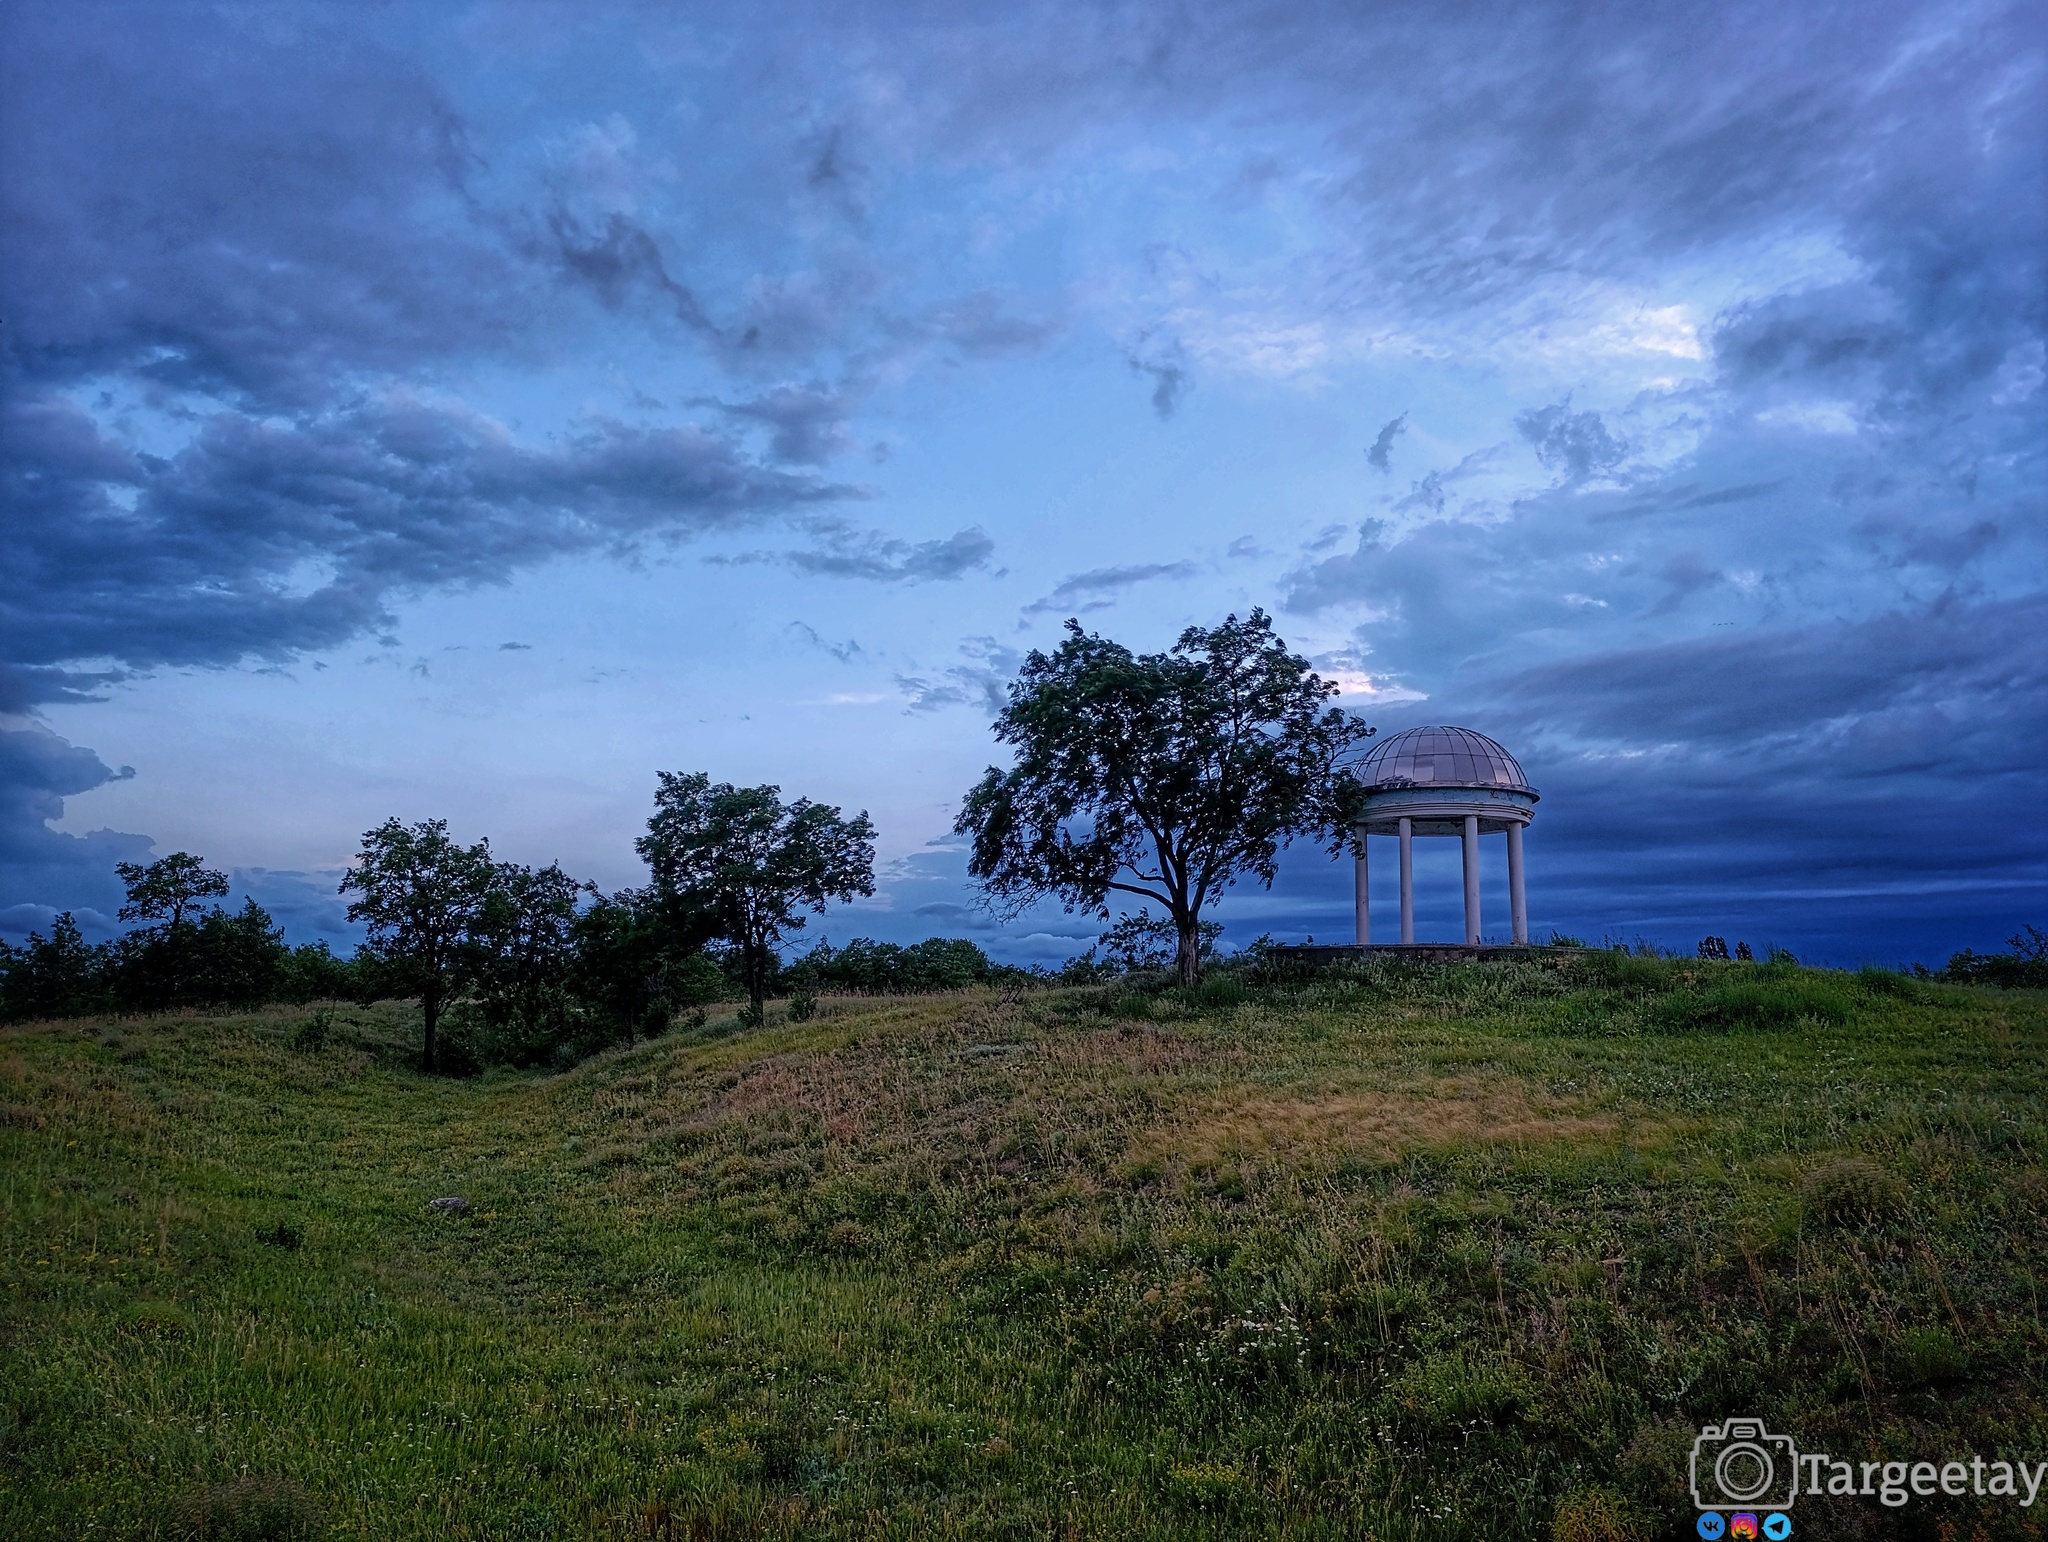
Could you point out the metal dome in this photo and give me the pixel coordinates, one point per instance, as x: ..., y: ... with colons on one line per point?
x: 1442, y: 757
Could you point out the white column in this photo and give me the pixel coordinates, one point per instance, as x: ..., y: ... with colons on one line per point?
x: 1472, y: 880
x: 1407, y: 880
x: 1518, y: 903
x: 1361, y: 902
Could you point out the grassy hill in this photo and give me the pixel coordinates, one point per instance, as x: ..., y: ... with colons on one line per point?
x: 1462, y: 1251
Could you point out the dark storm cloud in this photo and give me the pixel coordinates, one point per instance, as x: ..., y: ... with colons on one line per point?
x: 1381, y: 456
x: 1167, y: 370
x: 846, y: 652
x: 1577, y: 443
x: 983, y: 681
x: 1949, y: 688
x: 1097, y: 587
x: 618, y: 261
x: 44, y: 870
x: 304, y: 214
x: 260, y: 537
x: 844, y: 552
x: 807, y: 424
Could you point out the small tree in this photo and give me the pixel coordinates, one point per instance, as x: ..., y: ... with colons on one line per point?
x: 238, y: 958
x: 741, y: 865
x: 61, y: 975
x: 522, y: 933
x: 1146, y: 941
x: 171, y: 892
x: 1164, y: 775
x: 634, y: 963
x: 421, y: 894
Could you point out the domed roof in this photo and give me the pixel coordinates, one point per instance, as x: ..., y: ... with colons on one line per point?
x: 1441, y: 757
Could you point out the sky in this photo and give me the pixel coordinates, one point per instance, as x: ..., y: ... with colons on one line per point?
x: 467, y: 410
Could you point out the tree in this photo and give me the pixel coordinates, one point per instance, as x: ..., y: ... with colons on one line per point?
x: 421, y: 894
x: 1145, y: 941
x: 238, y: 959
x: 741, y: 865
x: 166, y: 891
x: 1168, y: 776
x: 61, y: 975
x: 635, y: 962
x: 522, y: 933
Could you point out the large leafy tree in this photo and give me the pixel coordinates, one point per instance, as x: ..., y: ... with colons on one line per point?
x: 742, y: 865
x: 172, y: 892
x: 421, y: 894
x: 523, y: 932
x: 1168, y: 776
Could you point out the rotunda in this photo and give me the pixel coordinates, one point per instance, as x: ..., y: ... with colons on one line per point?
x: 1444, y: 781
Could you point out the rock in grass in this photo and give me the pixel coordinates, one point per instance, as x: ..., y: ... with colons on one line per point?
x: 452, y: 1204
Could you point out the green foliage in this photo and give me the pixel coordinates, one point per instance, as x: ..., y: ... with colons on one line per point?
x: 248, y: 1510
x: 61, y: 975
x: 421, y: 895
x: 874, y: 968
x: 2024, y: 968
x: 1852, y: 1191
x: 1167, y: 776
x: 1145, y: 941
x: 1597, y: 1515
x: 1760, y: 1002
x: 739, y: 864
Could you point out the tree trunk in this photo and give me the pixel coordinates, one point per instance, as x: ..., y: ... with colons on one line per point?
x: 757, y: 977
x: 430, y: 1010
x: 1189, y: 957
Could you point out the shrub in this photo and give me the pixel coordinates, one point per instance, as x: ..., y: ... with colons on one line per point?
x: 2025, y: 968
x: 1931, y: 1357
x: 1595, y: 1515
x: 1452, y: 1392
x: 248, y: 1510
x: 936, y: 964
x: 1851, y: 1191
x: 1883, y: 982
x: 285, y: 1234
x: 1205, y: 1485
x: 1764, y: 1002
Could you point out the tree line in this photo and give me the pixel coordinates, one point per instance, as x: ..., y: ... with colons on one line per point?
x: 1163, y: 778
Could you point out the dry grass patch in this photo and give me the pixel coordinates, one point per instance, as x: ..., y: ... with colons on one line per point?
x: 1457, y: 1113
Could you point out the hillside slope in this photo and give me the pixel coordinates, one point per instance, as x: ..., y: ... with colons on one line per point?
x: 1461, y: 1251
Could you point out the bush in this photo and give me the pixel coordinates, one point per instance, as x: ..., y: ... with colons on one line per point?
x: 1595, y: 1515
x: 2025, y: 968
x: 1851, y: 1191
x: 61, y: 975
x: 886, y: 968
x: 1765, y: 1002
x: 248, y: 1510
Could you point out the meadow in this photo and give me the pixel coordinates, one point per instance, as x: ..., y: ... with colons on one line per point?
x: 1387, y: 1251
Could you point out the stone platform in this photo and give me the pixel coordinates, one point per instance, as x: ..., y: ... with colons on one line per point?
x: 1424, y: 952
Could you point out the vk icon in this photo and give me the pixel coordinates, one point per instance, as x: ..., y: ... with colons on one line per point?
x: 1712, y: 1527
x: 1777, y: 1527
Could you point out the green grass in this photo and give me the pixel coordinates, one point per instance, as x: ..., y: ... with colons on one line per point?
x: 1460, y: 1251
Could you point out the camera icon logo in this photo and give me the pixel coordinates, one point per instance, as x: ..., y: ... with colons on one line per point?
x: 1742, y: 1465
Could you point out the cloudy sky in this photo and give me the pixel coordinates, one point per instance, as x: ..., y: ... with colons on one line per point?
x: 469, y: 409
